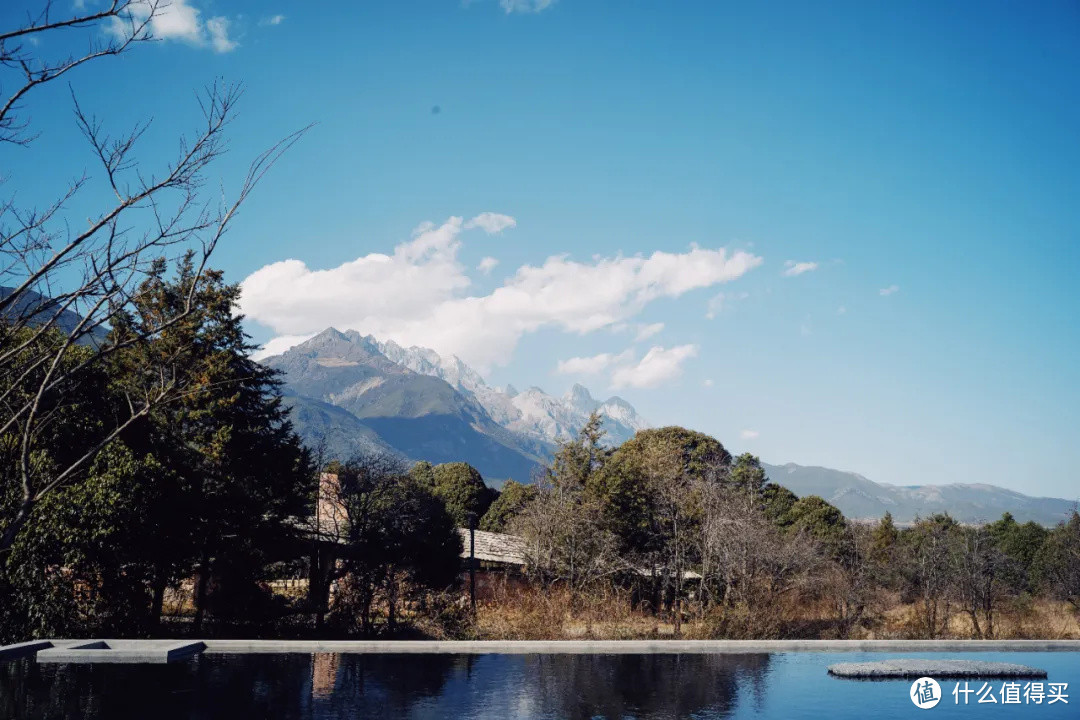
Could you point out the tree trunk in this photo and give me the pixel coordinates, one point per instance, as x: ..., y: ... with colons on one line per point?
x: 365, y: 616
x: 976, y: 630
x: 202, y: 581
x: 12, y: 530
x: 320, y: 577
x: 157, y: 604
x: 391, y: 602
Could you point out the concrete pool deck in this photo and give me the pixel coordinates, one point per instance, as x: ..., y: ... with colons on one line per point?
x: 530, y: 647
x: 132, y: 652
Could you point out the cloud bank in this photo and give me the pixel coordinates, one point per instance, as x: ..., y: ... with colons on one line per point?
x: 418, y: 295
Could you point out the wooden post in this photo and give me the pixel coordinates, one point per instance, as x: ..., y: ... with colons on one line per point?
x: 472, y: 561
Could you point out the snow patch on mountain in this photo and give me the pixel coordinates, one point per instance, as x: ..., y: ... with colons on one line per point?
x: 532, y: 412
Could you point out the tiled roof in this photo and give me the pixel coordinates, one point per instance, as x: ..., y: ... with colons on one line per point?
x: 495, y: 547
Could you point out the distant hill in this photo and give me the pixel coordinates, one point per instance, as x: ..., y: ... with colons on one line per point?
x: 861, y: 498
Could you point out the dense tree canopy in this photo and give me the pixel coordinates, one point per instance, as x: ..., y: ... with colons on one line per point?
x: 206, y: 484
x: 460, y: 486
x: 819, y: 520
x: 512, y: 499
x: 654, y: 463
x: 401, y: 539
x: 1020, y: 544
x: 1056, y: 566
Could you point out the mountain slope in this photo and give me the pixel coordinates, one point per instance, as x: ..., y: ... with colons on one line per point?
x: 420, y: 416
x: 862, y: 498
x: 532, y: 413
x: 333, y: 431
x: 37, y: 309
x: 354, y: 394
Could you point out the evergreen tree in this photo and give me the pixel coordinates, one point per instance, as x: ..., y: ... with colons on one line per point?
x: 1019, y: 543
x: 748, y: 478
x: 883, y: 551
x: 512, y: 499
x: 822, y: 521
x: 462, y: 489
x: 576, y: 462
x: 246, y: 472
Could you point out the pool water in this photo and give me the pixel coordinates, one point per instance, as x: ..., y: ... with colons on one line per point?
x: 325, y: 686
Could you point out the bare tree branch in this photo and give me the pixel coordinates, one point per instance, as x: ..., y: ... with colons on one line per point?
x: 61, y: 289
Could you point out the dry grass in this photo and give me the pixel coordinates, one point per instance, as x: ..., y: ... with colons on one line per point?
x: 531, y: 614
x: 514, y: 613
x: 517, y: 612
x: 1019, y: 619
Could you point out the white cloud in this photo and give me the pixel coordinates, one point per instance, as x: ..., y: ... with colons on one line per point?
x: 715, y: 306
x: 278, y: 345
x: 218, y: 27
x: 525, y: 6
x: 272, y: 20
x: 658, y: 366
x: 749, y: 434
x: 798, y: 268
x: 647, y: 331
x: 590, y: 365
x: 885, y: 292
x: 175, y: 21
x: 708, y: 382
x: 491, y: 223
x: 178, y: 20
x: 417, y: 295
x: 841, y: 310
x: 721, y: 301
x: 487, y: 265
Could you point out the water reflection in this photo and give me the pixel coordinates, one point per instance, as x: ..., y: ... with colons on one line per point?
x: 326, y: 685
x: 643, y: 686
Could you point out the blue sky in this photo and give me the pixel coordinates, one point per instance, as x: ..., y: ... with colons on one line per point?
x: 920, y: 162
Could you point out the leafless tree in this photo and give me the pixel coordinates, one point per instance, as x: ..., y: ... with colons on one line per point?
x: 931, y: 564
x: 979, y: 578
x: 849, y: 580
x: 747, y: 561
x: 565, y: 541
x: 61, y: 279
x: 676, y: 495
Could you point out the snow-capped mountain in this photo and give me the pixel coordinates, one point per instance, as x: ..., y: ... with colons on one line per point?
x: 352, y: 395
x: 533, y: 412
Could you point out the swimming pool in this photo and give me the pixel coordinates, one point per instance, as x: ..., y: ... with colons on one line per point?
x: 343, y: 685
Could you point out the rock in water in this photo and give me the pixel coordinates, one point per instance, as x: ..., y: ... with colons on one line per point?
x: 917, y: 667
